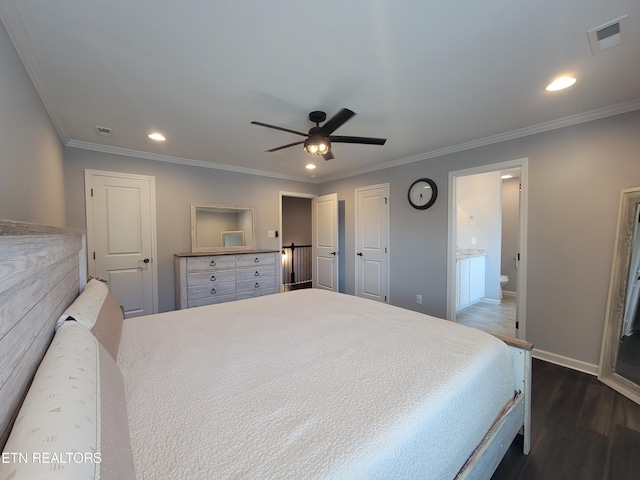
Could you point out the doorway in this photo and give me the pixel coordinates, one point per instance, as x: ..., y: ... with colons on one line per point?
x: 121, y: 237
x: 296, y: 245
x: 486, y: 263
x: 372, y: 242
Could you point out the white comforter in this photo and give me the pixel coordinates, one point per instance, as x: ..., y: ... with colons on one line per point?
x: 308, y: 384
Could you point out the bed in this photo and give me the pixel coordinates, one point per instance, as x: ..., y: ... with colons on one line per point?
x: 303, y: 384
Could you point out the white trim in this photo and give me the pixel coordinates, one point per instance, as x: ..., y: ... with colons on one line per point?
x: 18, y: 35
x: 491, y: 301
x: 567, y: 362
x: 569, y: 121
x: 598, y: 114
x: 88, y: 174
x: 521, y: 163
x: 288, y: 194
x: 126, y: 152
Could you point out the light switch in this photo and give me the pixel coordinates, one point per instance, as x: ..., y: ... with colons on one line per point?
x: 271, y: 233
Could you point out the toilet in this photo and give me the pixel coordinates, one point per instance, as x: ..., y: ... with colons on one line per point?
x: 503, y: 279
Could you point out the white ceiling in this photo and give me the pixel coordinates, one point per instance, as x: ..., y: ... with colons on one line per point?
x: 432, y: 77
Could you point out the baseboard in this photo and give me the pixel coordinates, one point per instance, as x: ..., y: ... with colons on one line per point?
x: 563, y: 361
x: 507, y: 293
x: 492, y: 301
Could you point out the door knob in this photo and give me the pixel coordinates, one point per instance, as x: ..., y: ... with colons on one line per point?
x: 146, y: 260
x: 359, y: 254
x: 334, y: 253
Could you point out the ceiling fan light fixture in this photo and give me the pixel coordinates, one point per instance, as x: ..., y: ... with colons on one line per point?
x: 317, y: 145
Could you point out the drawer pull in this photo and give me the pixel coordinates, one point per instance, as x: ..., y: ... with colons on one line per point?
x: 257, y: 274
x: 213, y: 278
x: 213, y: 263
x: 213, y: 291
x: 257, y: 285
x: 256, y: 260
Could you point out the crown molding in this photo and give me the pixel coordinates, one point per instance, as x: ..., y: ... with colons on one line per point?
x: 15, y: 29
x: 597, y: 114
x: 96, y: 147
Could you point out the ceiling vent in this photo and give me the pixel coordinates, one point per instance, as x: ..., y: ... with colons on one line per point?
x: 103, y: 131
x: 608, y: 35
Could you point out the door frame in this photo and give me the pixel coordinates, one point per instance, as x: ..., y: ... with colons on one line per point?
x: 357, y: 278
x: 282, y: 194
x: 91, y: 265
x: 521, y: 304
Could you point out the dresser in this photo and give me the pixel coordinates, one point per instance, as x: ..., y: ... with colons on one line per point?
x: 204, y: 279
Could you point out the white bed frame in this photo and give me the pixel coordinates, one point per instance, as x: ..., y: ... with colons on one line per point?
x: 488, y: 456
x: 42, y: 270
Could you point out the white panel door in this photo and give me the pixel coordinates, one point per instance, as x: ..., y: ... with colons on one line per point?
x: 324, y: 228
x: 372, y: 242
x: 121, y: 238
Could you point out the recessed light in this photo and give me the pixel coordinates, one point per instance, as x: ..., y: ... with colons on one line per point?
x: 560, y: 84
x: 158, y: 137
x: 310, y: 166
x: 504, y: 177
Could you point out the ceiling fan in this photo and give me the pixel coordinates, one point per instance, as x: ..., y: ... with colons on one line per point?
x: 319, y: 138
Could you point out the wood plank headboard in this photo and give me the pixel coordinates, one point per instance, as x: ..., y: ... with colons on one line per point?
x: 42, y: 270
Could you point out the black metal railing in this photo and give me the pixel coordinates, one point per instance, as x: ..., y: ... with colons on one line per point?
x: 296, y: 264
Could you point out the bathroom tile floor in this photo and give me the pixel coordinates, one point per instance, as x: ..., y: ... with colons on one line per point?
x: 491, y: 318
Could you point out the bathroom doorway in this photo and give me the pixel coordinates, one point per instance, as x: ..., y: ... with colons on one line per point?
x: 487, y: 246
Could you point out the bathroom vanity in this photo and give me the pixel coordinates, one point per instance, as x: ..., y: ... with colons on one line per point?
x: 470, y: 271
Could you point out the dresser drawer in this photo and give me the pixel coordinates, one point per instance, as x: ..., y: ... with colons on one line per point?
x: 211, y: 291
x: 268, y: 283
x: 210, y: 278
x: 217, y: 278
x: 255, y: 259
x: 217, y: 262
x: 255, y: 293
x: 199, y: 302
x: 257, y: 273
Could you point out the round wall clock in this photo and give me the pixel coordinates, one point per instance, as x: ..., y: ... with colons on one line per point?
x: 423, y: 193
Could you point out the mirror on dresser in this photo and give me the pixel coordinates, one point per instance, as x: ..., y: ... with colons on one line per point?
x: 620, y: 357
x: 221, y: 228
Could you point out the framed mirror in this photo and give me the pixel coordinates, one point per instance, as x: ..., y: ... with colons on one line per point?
x: 221, y: 228
x: 620, y: 356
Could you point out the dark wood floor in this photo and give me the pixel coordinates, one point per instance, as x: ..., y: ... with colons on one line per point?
x: 581, y: 429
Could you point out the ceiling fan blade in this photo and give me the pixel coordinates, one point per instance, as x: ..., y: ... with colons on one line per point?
x: 279, y: 128
x: 328, y: 155
x: 361, y: 140
x: 336, y: 121
x: 286, y: 146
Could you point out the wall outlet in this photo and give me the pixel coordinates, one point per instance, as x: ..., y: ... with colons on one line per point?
x: 474, y: 240
x: 419, y: 299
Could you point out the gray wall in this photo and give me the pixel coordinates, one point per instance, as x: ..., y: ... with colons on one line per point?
x: 31, y: 161
x: 176, y: 187
x: 575, y: 177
